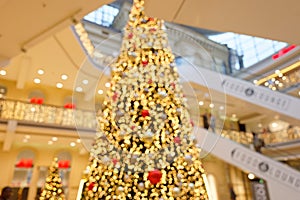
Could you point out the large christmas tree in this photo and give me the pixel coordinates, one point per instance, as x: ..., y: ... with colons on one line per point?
x: 53, y: 187
x: 144, y: 148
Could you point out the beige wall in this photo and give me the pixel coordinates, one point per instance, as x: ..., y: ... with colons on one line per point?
x: 43, y: 157
x: 217, y: 168
x: 53, y: 96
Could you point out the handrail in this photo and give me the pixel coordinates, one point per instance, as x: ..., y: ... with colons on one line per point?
x: 46, y: 114
x: 78, y: 118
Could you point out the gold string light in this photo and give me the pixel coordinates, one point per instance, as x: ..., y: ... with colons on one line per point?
x: 53, y: 187
x: 144, y: 148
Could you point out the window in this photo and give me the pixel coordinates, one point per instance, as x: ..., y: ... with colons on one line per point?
x: 253, y: 49
x: 103, y: 16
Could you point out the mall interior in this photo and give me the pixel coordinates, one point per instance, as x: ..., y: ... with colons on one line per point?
x: 239, y: 67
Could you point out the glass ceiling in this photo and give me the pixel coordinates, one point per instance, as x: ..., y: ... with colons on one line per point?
x: 251, y: 49
x: 103, y: 16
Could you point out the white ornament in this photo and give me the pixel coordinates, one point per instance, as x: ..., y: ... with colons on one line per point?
x: 188, y: 158
x: 162, y: 94
x: 176, y: 190
x: 191, y: 185
x: 141, y: 186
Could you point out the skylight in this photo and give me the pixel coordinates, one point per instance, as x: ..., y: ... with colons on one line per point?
x: 103, y: 16
x: 253, y: 49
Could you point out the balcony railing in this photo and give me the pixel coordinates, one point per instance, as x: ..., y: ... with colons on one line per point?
x: 46, y: 114
x: 84, y: 119
x: 288, y: 136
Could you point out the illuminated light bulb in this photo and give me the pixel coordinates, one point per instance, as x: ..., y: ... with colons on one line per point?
x: 37, y: 80
x: 40, y: 72
x: 59, y: 85
x: 72, y: 144
x: 266, y: 84
x: 2, y: 72
x: 201, y: 103
x: 85, y: 82
x: 274, y: 124
x: 79, y: 89
x: 64, y: 77
x: 251, y: 176
x: 107, y: 84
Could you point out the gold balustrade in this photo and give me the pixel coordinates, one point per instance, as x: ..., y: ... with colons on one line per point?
x: 46, y: 114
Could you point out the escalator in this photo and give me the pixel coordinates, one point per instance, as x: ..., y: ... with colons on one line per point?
x: 283, y: 181
x: 244, y: 90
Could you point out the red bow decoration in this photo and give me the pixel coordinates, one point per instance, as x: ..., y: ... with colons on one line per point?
x: 64, y: 164
x: 25, y: 163
x: 35, y: 100
x: 70, y: 106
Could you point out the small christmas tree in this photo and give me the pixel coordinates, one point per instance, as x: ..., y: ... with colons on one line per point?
x: 144, y: 148
x: 53, y: 187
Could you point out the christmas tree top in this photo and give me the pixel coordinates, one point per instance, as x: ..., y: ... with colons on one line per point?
x: 53, y: 187
x: 144, y: 148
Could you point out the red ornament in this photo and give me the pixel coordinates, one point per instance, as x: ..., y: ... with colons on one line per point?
x: 130, y: 35
x: 152, y: 30
x: 115, y: 96
x: 177, y: 140
x: 150, y: 81
x: 91, y: 186
x: 132, y: 127
x: 145, y: 113
x: 173, y: 85
x: 114, y: 160
x: 154, y: 176
x: 145, y: 62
